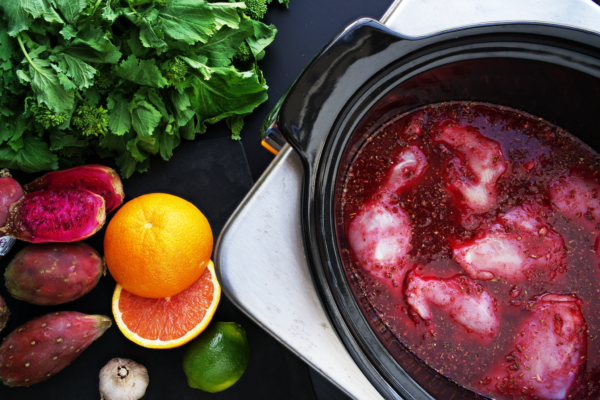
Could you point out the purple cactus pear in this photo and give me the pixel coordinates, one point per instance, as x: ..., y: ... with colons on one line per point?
x: 53, y: 273
x: 45, y: 345
x: 56, y: 216
x: 4, y: 313
x: 10, y: 192
x: 98, y: 179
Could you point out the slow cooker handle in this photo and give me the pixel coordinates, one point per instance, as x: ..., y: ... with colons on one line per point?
x: 306, y: 113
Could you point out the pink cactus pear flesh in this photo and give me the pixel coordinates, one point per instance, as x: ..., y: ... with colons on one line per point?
x: 44, y: 346
x: 53, y: 273
x: 56, y: 216
x: 98, y: 179
x: 4, y: 314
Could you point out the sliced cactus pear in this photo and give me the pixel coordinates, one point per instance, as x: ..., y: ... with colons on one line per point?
x: 97, y: 179
x: 4, y: 313
x: 44, y: 346
x: 56, y: 216
x: 53, y: 273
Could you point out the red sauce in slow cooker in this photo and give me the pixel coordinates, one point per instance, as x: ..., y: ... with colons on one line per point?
x: 539, y: 346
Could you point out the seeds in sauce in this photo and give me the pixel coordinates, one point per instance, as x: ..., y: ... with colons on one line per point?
x: 473, y: 230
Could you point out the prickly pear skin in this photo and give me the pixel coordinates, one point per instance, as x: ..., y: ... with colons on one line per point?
x: 10, y: 192
x: 44, y: 346
x: 4, y: 314
x: 53, y: 273
x: 56, y: 216
x: 98, y: 179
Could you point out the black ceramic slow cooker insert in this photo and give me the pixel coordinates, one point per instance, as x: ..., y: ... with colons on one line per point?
x: 369, y: 73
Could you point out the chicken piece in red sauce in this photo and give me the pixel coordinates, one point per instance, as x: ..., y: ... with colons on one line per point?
x: 381, y: 232
x: 467, y: 303
x: 549, y: 354
x: 472, y: 173
x: 408, y: 167
x: 380, y: 237
x: 575, y: 194
x: 516, y: 246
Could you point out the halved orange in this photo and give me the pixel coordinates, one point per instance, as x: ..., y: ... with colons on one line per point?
x: 169, y: 322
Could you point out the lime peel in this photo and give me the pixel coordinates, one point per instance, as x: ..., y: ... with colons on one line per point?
x: 217, y: 359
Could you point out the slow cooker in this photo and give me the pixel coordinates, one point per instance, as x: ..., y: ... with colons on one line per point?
x: 369, y: 73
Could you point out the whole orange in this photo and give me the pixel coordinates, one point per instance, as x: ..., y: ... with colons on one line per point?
x: 157, y: 245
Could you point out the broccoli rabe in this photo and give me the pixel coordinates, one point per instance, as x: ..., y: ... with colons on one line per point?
x: 244, y: 53
x: 135, y: 3
x: 70, y: 151
x: 92, y: 121
x: 177, y: 71
x: 125, y: 79
x: 105, y: 78
x: 256, y: 9
x: 44, y: 116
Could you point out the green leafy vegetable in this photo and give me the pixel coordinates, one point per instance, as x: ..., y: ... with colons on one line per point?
x: 256, y: 9
x: 125, y: 79
x: 243, y: 52
x: 91, y: 121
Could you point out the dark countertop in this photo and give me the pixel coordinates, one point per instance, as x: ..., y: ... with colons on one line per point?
x: 214, y: 173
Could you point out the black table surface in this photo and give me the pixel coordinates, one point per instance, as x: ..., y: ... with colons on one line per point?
x: 214, y: 173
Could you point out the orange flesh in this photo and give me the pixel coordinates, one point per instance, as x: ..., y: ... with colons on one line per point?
x: 170, y: 318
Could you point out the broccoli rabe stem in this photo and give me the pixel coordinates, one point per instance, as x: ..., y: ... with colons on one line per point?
x: 96, y: 5
x: 29, y: 60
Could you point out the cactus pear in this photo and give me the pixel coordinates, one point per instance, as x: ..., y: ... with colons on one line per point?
x: 97, y: 179
x: 53, y: 273
x: 44, y: 346
x: 4, y: 314
x: 10, y: 192
x: 56, y: 216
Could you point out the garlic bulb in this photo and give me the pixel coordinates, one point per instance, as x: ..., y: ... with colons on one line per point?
x: 123, y: 379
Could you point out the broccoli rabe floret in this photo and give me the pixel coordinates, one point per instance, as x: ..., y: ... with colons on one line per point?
x: 92, y: 121
x: 177, y: 71
x: 104, y: 79
x: 46, y: 117
x: 244, y: 53
x: 256, y: 9
x: 70, y: 151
